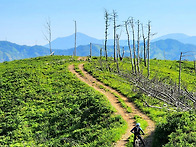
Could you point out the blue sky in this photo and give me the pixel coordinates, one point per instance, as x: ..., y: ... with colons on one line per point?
x: 22, y: 21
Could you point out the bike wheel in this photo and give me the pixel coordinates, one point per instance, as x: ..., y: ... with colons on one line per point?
x: 137, y: 142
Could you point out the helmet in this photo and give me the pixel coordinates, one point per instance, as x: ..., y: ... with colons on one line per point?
x: 138, y: 124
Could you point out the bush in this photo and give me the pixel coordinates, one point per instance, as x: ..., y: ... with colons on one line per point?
x: 179, y: 128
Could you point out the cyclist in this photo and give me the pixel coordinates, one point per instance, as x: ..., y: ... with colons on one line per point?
x: 137, y: 130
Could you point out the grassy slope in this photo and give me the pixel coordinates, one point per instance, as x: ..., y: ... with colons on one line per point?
x: 169, y: 124
x: 43, y: 104
x: 167, y: 70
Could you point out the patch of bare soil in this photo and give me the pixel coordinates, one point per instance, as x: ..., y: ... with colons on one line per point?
x: 128, y: 117
x: 82, y: 58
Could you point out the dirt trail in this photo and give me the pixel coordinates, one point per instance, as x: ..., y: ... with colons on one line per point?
x: 128, y: 117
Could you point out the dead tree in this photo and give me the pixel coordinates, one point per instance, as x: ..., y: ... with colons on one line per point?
x: 90, y: 50
x: 164, y: 92
x: 121, y: 57
x: 148, y: 47
x: 134, y: 50
x: 128, y: 40
x: 179, y: 84
x: 114, y: 15
x: 155, y: 87
x: 118, y: 46
x: 75, y: 38
x: 100, y: 53
x: 118, y: 52
x: 107, y: 18
x: 48, y: 37
x: 138, y: 45
x: 144, y: 42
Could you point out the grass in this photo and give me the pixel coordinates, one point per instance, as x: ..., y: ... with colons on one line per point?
x: 122, y: 102
x: 43, y: 104
x: 166, y: 71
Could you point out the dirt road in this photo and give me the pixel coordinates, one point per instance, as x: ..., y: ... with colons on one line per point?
x: 128, y: 117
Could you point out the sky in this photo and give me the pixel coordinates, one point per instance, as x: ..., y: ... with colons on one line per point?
x: 23, y: 21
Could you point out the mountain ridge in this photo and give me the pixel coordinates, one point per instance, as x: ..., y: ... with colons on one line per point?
x: 168, y: 49
x: 183, y: 38
x: 83, y: 39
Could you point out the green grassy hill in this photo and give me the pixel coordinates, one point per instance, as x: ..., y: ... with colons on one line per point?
x: 43, y: 104
x: 175, y: 127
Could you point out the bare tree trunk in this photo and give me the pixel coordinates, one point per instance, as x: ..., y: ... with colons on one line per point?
x: 195, y: 65
x: 138, y: 46
x: 179, y: 85
x: 90, y: 50
x: 118, y: 52
x: 75, y: 38
x: 144, y: 41
x: 128, y: 40
x: 106, y: 32
x: 114, y: 20
x: 148, y: 48
x: 134, y: 50
x: 118, y: 46
x: 117, y: 66
x: 48, y: 37
x: 100, y: 53
x: 121, y: 57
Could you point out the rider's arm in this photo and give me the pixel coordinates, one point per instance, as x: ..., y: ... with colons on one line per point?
x: 132, y: 130
x: 142, y: 131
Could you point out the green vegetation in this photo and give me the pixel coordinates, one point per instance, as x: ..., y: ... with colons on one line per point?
x: 179, y: 129
x: 76, y: 68
x: 43, y: 104
x: 169, y: 70
x: 123, y: 104
x: 166, y: 70
x: 175, y: 127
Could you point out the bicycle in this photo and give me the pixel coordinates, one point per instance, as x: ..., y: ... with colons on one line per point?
x: 138, y: 142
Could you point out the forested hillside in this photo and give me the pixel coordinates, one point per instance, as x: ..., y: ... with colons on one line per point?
x: 11, y: 51
x: 163, y: 49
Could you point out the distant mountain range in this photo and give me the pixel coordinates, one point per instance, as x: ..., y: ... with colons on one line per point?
x: 82, y: 39
x: 168, y: 49
x: 179, y: 37
x: 11, y: 51
x: 161, y: 48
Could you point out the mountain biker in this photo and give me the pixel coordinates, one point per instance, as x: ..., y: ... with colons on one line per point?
x: 137, y: 130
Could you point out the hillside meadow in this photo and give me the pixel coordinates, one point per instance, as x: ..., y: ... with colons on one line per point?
x: 174, y: 127
x: 43, y: 104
